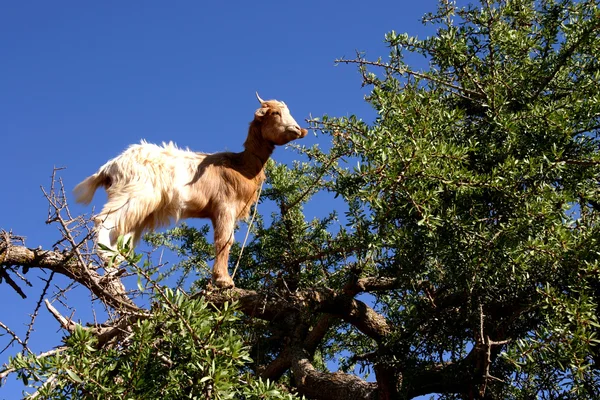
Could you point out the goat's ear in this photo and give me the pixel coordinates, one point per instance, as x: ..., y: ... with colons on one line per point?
x: 261, y: 112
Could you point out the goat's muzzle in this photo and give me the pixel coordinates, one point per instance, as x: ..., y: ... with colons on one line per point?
x: 299, y: 132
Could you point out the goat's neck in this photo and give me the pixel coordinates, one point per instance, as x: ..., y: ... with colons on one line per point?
x: 256, y: 150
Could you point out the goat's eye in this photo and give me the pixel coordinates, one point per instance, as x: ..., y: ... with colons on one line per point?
x: 276, y: 113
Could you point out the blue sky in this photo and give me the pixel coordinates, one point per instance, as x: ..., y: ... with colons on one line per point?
x: 80, y: 81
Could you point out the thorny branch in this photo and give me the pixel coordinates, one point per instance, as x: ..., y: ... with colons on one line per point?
x: 37, y: 306
x: 459, y: 90
x: 15, y: 337
x: 486, y: 344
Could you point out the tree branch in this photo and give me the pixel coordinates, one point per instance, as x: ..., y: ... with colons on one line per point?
x: 325, y: 385
x: 283, y: 361
x: 376, y: 283
x: 357, y: 313
x: 353, y: 311
x: 64, y: 322
x: 107, y: 288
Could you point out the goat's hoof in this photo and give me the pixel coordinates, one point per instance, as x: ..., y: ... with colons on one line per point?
x: 223, y: 282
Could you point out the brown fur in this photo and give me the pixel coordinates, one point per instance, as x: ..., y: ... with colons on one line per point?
x: 149, y: 186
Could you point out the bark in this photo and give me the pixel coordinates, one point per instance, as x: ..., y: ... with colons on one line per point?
x: 107, y: 288
x: 283, y: 361
x: 259, y: 305
x: 325, y: 385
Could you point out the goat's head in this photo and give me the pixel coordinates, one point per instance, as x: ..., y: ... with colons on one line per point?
x: 277, y: 124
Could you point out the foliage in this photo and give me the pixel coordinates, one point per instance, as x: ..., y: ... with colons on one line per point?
x: 185, y: 349
x: 477, y: 187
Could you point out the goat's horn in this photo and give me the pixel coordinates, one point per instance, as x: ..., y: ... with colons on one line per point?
x: 259, y: 99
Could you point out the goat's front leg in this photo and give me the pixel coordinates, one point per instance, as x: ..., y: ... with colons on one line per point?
x: 223, y: 224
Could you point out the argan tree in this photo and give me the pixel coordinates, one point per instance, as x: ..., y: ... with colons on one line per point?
x: 460, y: 257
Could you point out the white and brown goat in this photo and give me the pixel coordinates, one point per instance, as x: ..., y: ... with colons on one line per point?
x: 150, y: 186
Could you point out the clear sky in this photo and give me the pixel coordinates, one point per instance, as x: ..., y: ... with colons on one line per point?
x: 80, y: 81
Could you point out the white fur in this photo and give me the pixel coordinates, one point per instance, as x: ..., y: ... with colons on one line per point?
x: 150, y: 186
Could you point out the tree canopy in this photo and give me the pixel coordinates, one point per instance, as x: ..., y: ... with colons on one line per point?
x: 460, y: 257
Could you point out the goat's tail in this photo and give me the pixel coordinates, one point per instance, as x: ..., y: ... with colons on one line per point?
x: 84, y: 192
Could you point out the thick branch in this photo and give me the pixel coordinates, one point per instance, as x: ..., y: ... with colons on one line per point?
x: 374, y: 284
x: 325, y: 385
x: 357, y: 313
x: 353, y: 311
x: 278, y: 366
x: 251, y: 303
x: 283, y: 361
x: 108, y: 289
x: 318, y: 332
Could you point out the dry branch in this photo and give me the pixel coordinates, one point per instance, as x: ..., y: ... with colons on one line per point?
x: 109, y: 291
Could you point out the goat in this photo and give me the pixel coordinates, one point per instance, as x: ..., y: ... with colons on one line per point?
x: 150, y: 186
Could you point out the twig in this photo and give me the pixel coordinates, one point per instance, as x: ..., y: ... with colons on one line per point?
x: 312, y: 185
x: 64, y: 322
x: 49, y: 382
x: 37, y: 307
x: 8, y: 371
x: 15, y: 338
x: 4, y: 275
x: 362, y: 61
x: 237, y: 263
x: 486, y: 344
